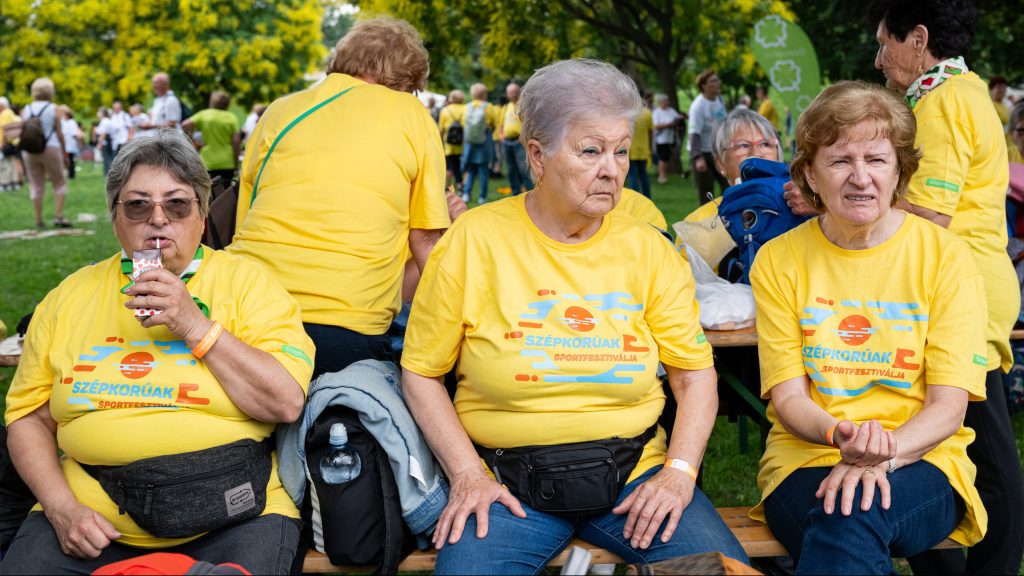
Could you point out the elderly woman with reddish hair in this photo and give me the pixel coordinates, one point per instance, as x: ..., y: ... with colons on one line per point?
x: 872, y: 342
x: 339, y: 183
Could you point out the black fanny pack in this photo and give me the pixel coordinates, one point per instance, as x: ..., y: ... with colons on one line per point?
x: 577, y: 478
x: 182, y: 495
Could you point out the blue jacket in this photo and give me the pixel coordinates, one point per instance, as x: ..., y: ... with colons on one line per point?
x: 373, y: 389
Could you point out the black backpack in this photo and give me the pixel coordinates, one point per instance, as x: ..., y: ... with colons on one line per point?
x: 33, y: 140
x: 359, y: 522
x: 455, y: 133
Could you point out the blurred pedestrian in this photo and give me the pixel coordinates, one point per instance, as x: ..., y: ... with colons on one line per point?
x: 48, y: 164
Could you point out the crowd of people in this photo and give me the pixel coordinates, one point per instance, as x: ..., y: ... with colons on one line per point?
x: 531, y: 358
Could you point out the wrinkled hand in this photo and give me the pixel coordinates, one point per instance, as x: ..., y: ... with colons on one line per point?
x: 162, y: 290
x: 81, y: 531
x: 846, y: 477
x: 699, y: 164
x: 456, y: 207
x: 664, y: 496
x: 795, y: 200
x: 864, y: 445
x: 472, y: 492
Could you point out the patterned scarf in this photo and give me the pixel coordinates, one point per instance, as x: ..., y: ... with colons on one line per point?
x: 933, y: 77
x: 190, y: 271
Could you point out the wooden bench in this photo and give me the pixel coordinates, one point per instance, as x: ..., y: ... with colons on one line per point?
x: 755, y: 537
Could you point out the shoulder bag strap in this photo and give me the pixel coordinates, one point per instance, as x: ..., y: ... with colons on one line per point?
x: 273, y: 146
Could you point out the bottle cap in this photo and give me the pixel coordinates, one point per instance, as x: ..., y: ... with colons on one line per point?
x: 339, y: 435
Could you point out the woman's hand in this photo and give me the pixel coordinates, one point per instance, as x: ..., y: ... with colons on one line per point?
x: 81, y: 531
x: 846, y: 477
x: 472, y: 492
x: 700, y: 165
x: 795, y: 200
x: 865, y: 445
x: 162, y: 290
x: 665, y: 495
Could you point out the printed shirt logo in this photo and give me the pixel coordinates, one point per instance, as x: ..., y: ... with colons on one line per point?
x: 95, y: 382
x: 833, y: 365
x: 571, y: 338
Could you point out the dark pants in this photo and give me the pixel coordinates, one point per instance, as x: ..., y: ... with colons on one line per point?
x: 337, y: 347
x: 225, y: 175
x: 15, y: 497
x: 924, y: 510
x: 637, y: 178
x: 1001, y: 486
x: 704, y: 182
x: 71, y: 166
x: 264, y: 545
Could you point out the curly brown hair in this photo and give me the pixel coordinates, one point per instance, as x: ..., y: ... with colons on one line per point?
x: 385, y: 50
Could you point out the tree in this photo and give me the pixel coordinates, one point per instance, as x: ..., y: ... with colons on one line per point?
x: 100, y: 50
x: 653, y: 39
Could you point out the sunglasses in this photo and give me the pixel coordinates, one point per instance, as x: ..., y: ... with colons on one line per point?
x: 174, y: 208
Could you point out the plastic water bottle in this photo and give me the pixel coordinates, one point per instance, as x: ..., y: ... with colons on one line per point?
x: 342, y: 463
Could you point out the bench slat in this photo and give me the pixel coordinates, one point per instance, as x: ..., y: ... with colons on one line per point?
x: 755, y: 537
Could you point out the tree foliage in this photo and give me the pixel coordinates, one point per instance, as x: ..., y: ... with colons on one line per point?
x: 846, y: 45
x: 97, y: 51
x: 661, y: 42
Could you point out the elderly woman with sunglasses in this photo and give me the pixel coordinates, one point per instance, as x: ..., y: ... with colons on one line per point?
x: 162, y: 379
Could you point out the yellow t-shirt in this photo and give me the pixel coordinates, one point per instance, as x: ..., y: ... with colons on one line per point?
x: 336, y: 202
x: 871, y: 345
x: 120, y: 392
x: 449, y: 114
x: 1003, y: 112
x: 1014, y: 154
x: 767, y: 109
x: 964, y: 174
x: 511, y: 125
x: 642, y: 208
x: 555, y: 343
x: 641, y: 146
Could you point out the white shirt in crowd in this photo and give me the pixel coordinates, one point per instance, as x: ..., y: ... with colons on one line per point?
x: 704, y: 116
x: 120, y: 123
x: 664, y: 116
x: 72, y: 132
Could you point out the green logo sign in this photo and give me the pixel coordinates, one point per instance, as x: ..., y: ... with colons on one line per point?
x: 787, y: 56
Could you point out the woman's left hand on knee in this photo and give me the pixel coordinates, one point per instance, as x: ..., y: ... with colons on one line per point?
x: 846, y: 477
x: 663, y: 497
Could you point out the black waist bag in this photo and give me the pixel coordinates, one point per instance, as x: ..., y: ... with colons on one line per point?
x: 576, y: 478
x: 182, y: 495
x: 360, y: 521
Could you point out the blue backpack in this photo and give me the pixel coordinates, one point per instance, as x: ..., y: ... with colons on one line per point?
x: 754, y: 212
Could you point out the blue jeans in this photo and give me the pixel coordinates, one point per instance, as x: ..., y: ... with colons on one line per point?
x: 924, y: 510
x: 637, y: 178
x: 473, y: 169
x: 515, y: 161
x: 525, y: 545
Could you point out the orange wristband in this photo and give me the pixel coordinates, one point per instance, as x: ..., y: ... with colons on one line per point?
x: 207, y: 342
x: 828, y: 436
x: 682, y: 465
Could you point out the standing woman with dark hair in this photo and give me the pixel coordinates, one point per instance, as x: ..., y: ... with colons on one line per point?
x: 961, y: 185
x: 706, y: 112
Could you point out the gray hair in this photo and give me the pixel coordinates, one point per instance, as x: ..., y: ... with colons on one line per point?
x: 165, y: 148
x: 741, y: 118
x: 4, y: 102
x: 567, y: 91
x: 1016, y: 114
x: 43, y: 89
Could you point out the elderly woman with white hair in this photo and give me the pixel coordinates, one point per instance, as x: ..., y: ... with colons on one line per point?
x: 555, y: 333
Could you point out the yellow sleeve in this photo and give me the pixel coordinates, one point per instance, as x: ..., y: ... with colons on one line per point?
x: 434, y: 335
x: 955, y: 349
x: 428, y: 208
x: 269, y: 319
x: 946, y: 148
x: 673, y: 313
x: 778, y: 325
x: 33, y: 382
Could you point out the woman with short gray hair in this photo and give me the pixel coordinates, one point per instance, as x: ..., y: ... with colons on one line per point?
x: 167, y: 150
x: 743, y: 134
x: 557, y: 332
